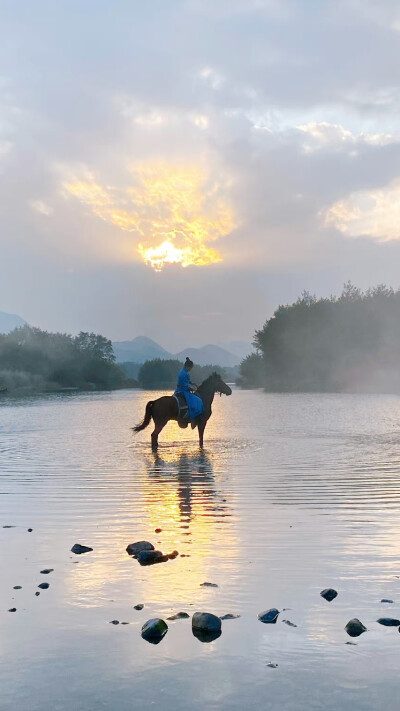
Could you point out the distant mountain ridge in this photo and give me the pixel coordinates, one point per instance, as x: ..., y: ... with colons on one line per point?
x: 141, y: 348
x: 10, y: 321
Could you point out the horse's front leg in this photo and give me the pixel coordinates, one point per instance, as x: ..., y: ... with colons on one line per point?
x: 158, y: 426
x: 202, y: 427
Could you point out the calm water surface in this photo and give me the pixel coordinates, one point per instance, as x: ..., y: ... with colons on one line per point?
x: 293, y: 493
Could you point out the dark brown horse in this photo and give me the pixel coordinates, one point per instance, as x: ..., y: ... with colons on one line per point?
x: 166, y: 408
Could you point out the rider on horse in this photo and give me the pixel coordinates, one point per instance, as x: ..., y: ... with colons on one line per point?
x: 186, y: 388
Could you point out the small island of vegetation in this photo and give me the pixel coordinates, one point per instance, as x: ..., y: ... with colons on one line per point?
x: 349, y: 343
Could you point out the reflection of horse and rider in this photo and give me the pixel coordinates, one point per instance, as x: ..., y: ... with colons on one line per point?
x: 184, y: 406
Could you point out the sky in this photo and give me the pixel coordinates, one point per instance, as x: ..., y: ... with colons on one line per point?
x: 179, y: 168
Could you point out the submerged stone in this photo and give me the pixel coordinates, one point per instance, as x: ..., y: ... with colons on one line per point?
x: 179, y: 616
x: 389, y: 622
x: 229, y: 616
x: 78, y: 549
x: 172, y: 555
x: 272, y: 665
x: 206, y: 621
x: 151, y: 557
x: 154, y: 630
x: 386, y: 600
x: 37, y: 594
x: 208, y: 585
x: 12, y: 609
x: 269, y: 616
x: 46, y: 571
x: 138, y: 607
x: 44, y: 586
x: 328, y: 594
x: 136, y: 548
x: 204, y: 636
x: 289, y: 623
x: 114, y: 622
x: 354, y: 627
x: 17, y: 587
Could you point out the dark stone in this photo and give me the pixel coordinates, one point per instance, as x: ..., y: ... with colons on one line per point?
x: 138, y: 607
x: 114, y: 622
x: 385, y: 600
x: 158, y: 530
x: 206, y: 621
x: 328, y: 594
x: 46, y: 571
x: 172, y: 555
x: 44, y: 586
x: 208, y: 585
x: 229, y: 616
x: 9, y: 527
x: 37, y: 594
x: 179, y: 616
x: 12, y: 609
x: 30, y: 530
x: 78, y: 549
x: 154, y: 630
x: 151, y: 557
x: 273, y: 665
x: 125, y: 623
x: 269, y: 616
x: 389, y: 621
x: 354, y: 627
x: 17, y: 587
x: 136, y: 548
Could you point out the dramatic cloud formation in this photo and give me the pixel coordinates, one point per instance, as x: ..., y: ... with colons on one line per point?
x: 235, y: 147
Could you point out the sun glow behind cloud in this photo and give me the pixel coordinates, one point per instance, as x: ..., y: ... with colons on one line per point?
x: 175, y: 210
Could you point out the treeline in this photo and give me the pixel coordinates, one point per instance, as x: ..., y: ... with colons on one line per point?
x: 349, y: 343
x: 163, y: 374
x: 32, y: 360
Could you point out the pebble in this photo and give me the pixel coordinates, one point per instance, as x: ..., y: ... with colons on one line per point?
x: 269, y: 616
x: 46, y: 571
x: 12, y: 609
x: 158, y: 530
x: 328, y: 594
x: 151, y: 557
x: 114, y: 622
x: 172, y: 555
x: 154, y: 630
x: 208, y: 585
x: 385, y: 600
x: 272, y: 665
x: 179, y: 616
x: 136, y: 548
x: 354, y: 627
x: 78, y: 549
x: 289, y: 623
x: 9, y: 527
x: 44, y: 586
x: 389, y: 622
x: 37, y: 594
x: 30, y: 530
x: 138, y: 607
x: 229, y: 616
x: 17, y: 587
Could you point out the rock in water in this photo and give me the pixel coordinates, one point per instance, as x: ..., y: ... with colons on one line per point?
x: 328, y: 594
x: 206, y: 622
x: 12, y: 609
x: 46, y: 571
x: 78, y: 549
x: 229, y: 616
x: 151, y: 557
x: 269, y: 616
x: 44, y: 586
x: 154, y: 630
x: 354, y: 627
x: 389, y: 621
x: 114, y: 622
x: 208, y: 585
x: 17, y: 587
x: 289, y: 623
x: 386, y: 600
x: 179, y: 616
x: 138, y: 607
x: 136, y: 548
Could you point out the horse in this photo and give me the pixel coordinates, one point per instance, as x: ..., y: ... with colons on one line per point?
x: 166, y: 408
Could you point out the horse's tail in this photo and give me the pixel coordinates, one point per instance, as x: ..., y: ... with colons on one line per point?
x: 146, y: 419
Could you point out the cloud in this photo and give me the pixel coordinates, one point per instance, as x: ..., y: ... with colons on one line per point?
x: 371, y: 213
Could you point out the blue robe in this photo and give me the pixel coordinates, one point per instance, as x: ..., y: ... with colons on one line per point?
x: 194, y: 402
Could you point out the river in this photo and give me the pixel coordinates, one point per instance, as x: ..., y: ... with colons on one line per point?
x: 292, y: 494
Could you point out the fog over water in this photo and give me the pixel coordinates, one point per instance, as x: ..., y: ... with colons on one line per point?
x: 292, y: 494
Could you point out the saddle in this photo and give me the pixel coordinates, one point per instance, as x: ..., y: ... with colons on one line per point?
x: 183, y: 409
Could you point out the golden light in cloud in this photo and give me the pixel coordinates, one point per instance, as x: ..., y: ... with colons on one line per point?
x: 176, y: 211
x: 373, y: 213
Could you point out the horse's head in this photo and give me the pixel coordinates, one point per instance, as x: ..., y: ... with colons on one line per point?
x: 219, y: 385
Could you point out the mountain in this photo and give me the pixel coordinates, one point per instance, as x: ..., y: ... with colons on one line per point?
x: 209, y: 355
x: 10, y: 321
x: 241, y: 349
x: 139, y: 350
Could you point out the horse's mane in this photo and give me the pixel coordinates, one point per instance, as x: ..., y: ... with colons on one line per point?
x: 209, y: 379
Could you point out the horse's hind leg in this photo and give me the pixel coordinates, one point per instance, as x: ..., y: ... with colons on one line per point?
x: 158, y: 426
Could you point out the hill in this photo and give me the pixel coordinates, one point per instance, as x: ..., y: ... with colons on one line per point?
x: 209, y: 354
x: 10, y: 321
x: 138, y: 350
x: 142, y: 349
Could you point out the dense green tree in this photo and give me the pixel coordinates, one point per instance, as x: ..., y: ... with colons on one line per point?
x: 345, y: 343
